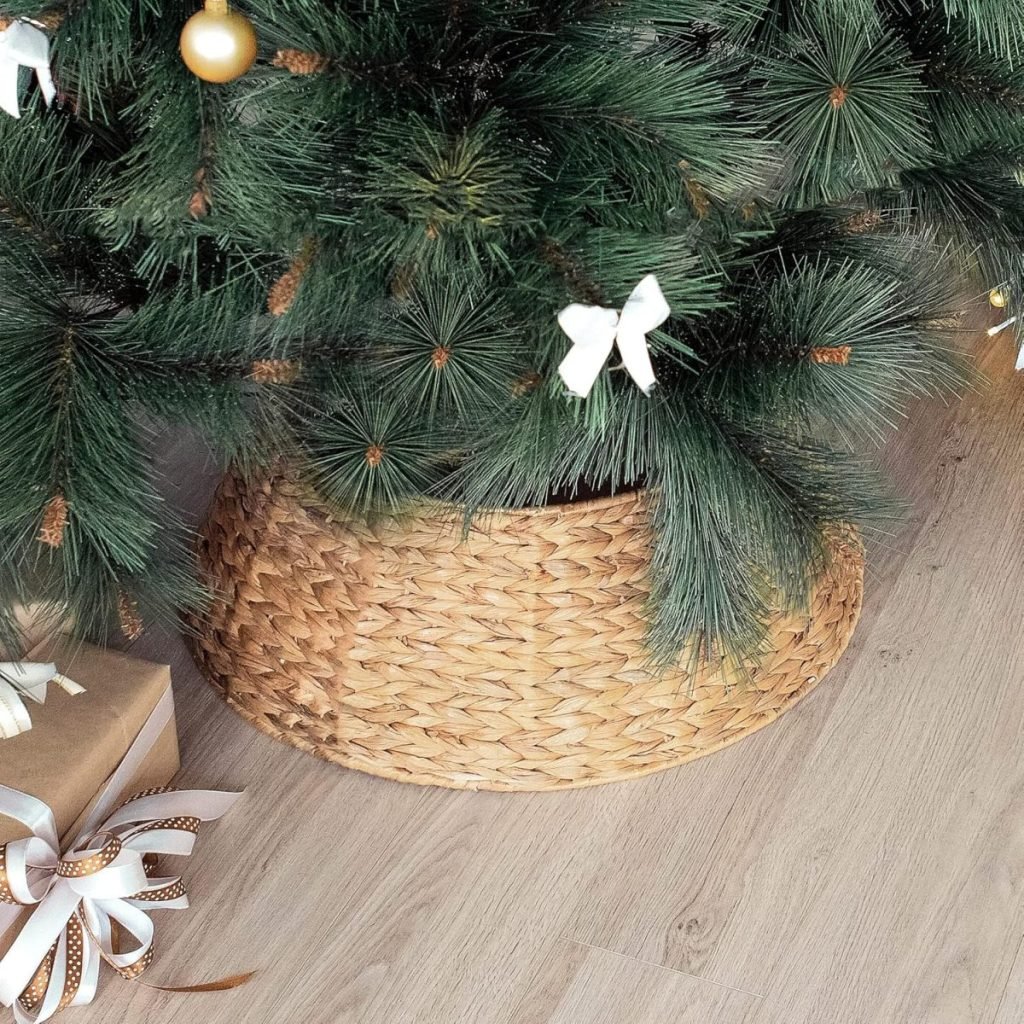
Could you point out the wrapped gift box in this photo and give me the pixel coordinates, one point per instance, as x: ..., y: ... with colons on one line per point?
x: 76, y: 742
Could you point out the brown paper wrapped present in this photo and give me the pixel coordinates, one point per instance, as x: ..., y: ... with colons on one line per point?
x: 87, y: 816
x: 76, y: 742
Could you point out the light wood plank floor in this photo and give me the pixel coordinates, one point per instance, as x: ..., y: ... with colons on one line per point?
x: 859, y: 862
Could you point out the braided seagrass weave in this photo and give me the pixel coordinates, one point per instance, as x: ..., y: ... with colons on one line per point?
x: 513, y: 660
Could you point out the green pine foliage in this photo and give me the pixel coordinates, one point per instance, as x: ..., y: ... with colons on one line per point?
x: 434, y: 181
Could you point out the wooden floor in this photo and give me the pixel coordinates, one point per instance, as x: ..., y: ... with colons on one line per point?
x: 859, y: 862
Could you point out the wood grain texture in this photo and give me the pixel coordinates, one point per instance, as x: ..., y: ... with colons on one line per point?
x: 860, y: 862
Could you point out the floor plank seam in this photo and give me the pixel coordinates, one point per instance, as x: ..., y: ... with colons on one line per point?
x: 1009, y: 974
x: 661, y: 967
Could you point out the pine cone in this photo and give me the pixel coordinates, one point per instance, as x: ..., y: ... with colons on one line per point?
x: 526, y: 383
x: 55, y: 521
x: 699, y: 199
x: 286, y: 287
x: 301, y: 62
x: 128, y: 614
x: 863, y: 222
x: 199, y: 204
x: 274, y: 371
x: 838, y: 355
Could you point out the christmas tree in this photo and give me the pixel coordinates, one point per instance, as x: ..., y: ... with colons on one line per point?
x: 354, y: 256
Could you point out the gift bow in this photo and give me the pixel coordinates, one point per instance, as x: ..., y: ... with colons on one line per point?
x: 23, y: 45
x: 594, y: 331
x: 99, y: 882
x: 20, y: 679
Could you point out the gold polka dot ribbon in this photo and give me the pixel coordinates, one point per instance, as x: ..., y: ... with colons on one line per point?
x: 82, y: 864
x: 90, y: 903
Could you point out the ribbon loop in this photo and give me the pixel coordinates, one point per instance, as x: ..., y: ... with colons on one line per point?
x: 594, y: 331
x: 89, y: 862
x: 25, y: 679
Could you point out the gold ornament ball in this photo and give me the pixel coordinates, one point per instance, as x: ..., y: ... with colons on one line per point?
x: 218, y: 44
x: 997, y: 297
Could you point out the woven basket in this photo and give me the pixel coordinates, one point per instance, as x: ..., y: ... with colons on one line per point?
x: 512, y: 660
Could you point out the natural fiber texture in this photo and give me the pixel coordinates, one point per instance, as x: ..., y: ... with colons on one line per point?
x: 512, y: 660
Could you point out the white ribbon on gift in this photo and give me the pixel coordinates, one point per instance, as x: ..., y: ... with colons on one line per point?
x: 23, y: 45
x: 40, y: 876
x: 595, y: 330
x: 26, y: 679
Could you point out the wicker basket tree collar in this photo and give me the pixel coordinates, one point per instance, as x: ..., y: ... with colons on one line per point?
x: 513, y: 660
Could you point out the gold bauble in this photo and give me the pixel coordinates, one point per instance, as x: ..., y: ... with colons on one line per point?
x: 218, y: 44
x: 998, y: 298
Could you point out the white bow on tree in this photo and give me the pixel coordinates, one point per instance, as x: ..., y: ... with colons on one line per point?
x: 23, y: 45
x: 595, y: 330
x: 26, y: 679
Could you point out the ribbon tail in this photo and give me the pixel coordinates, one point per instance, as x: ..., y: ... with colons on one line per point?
x: 583, y: 364
x: 636, y: 357
x: 46, y: 84
x: 220, y: 985
x: 33, y: 943
x: 69, y: 686
x: 9, y: 98
x: 98, y: 936
x: 14, y: 716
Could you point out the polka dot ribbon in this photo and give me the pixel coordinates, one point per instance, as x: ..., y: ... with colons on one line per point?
x: 91, y: 900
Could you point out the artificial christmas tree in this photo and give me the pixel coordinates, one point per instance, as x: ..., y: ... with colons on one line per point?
x: 355, y: 256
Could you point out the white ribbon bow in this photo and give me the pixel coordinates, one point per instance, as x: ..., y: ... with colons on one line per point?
x: 78, y: 896
x: 20, y: 679
x: 24, y: 45
x: 594, y: 331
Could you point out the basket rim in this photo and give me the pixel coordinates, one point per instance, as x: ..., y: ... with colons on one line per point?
x: 441, y: 509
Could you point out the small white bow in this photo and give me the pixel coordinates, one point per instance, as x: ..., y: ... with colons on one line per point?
x: 26, y: 679
x: 23, y: 45
x: 594, y: 331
